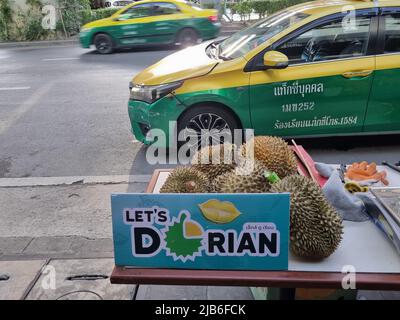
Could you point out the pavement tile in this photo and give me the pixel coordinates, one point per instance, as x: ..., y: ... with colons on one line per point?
x: 13, y: 245
x: 63, y: 247
x: 84, y: 246
x: 22, y: 274
x: 390, y: 295
x: 229, y: 293
x: 50, y: 245
x: 79, y: 210
x: 65, y: 289
x: 156, y: 292
x: 378, y: 295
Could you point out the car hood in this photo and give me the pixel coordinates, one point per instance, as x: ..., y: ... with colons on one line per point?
x: 187, y: 63
x: 99, y: 23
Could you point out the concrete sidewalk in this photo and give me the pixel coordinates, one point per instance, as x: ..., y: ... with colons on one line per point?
x: 67, y: 229
x: 65, y: 226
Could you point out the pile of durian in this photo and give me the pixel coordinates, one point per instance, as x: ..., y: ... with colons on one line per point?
x: 315, y: 227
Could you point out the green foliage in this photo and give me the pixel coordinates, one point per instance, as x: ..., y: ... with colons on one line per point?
x: 72, y: 15
x: 262, y: 7
x: 232, y: 7
x: 21, y: 26
x: 278, y: 5
x: 76, y: 13
x: 34, y: 30
x: 97, y: 14
x: 208, y: 5
x: 243, y: 8
x: 5, y: 19
x: 34, y: 3
x: 27, y: 26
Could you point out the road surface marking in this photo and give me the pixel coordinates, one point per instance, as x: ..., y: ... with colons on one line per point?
x: 6, y: 123
x: 14, y: 88
x: 59, y: 59
x: 76, y: 180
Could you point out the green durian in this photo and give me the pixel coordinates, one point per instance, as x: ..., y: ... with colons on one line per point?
x: 274, y: 153
x: 315, y: 227
x: 245, y: 178
x: 215, y: 160
x: 185, y: 180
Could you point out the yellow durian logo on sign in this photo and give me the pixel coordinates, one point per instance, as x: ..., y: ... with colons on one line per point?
x: 192, y: 229
x: 218, y: 211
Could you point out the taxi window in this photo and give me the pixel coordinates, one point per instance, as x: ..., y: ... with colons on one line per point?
x: 337, y: 39
x: 392, y: 33
x: 247, y: 39
x: 138, y: 11
x: 161, y: 8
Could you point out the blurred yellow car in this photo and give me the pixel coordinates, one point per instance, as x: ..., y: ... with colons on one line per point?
x: 152, y: 22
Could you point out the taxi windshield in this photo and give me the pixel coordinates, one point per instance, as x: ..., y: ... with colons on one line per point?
x: 247, y: 39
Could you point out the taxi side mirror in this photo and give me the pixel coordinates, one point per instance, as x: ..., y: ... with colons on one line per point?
x: 275, y: 60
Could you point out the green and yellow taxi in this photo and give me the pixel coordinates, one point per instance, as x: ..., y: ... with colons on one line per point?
x: 316, y: 69
x: 151, y: 22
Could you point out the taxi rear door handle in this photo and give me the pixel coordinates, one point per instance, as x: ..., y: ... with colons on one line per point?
x: 357, y: 74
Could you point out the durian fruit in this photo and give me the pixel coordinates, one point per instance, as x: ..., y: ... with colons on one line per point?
x: 245, y: 178
x: 274, y: 153
x: 215, y: 160
x: 315, y: 226
x: 185, y: 180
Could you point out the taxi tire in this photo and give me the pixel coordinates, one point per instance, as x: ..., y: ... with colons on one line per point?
x: 187, y: 37
x: 102, y: 39
x: 218, y: 110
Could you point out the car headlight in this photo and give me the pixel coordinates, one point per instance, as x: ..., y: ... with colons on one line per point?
x: 85, y: 29
x: 150, y: 94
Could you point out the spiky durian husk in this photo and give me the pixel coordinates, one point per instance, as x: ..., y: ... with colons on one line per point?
x: 215, y: 160
x: 218, y: 181
x: 185, y: 180
x: 246, y: 178
x: 315, y: 226
x: 274, y: 153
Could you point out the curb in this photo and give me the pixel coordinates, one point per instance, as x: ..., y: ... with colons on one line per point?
x: 69, y: 181
x: 70, y: 42
x: 29, y: 44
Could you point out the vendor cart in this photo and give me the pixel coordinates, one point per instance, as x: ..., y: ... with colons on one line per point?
x: 364, y: 249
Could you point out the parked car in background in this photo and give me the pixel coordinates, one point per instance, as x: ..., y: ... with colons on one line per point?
x: 117, y: 3
x: 152, y: 22
x: 309, y: 70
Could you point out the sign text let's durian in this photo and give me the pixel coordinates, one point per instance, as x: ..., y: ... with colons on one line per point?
x: 201, y: 231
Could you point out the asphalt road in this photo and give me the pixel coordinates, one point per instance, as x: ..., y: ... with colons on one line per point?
x: 63, y: 113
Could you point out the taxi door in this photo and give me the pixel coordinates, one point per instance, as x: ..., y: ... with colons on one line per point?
x: 134, y: 25
x: 383, y: 112
x: 167, y: 21
x: 326, y: 86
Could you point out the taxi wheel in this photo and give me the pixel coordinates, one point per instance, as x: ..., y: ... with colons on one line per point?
x: 103, y: 43
x: 212, y: 119
x: 187, y: 37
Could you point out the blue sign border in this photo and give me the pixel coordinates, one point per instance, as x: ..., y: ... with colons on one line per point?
x: 255, y: 208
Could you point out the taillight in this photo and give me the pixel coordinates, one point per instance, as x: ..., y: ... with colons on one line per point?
x: 213, y: 18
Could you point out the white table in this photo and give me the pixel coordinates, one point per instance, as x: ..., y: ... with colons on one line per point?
x: 364, y: 247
